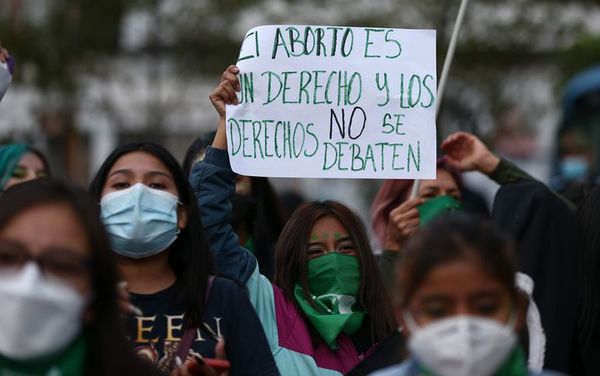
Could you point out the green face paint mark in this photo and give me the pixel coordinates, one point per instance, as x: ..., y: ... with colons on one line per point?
x: 337, y: 235
x: 314, y: 237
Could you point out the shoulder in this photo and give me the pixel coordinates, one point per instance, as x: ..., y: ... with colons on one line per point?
x: 222, y: 282
x: 226, y: 291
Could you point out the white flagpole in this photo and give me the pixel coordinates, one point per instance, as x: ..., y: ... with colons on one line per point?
x: 445, y: 72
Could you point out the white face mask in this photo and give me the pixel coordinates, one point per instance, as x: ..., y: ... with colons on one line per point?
x: 461, y: 345
x: 39, y: 315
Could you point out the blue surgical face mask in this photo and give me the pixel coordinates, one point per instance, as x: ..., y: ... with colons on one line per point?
x: 140, y: 221
x: 573, y: 168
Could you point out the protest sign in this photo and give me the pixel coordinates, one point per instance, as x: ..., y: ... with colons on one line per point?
x: 335, y: 102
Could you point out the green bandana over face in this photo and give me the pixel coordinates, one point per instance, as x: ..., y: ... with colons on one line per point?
x: 334, y: 281
x: 515, y: 365
x: 67, y: 363
x: 437, y: 206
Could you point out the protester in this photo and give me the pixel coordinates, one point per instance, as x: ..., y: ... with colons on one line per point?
x: 542, y: 224
x: 327, y: 307
x: 154, y: 226
x: 458, y: 302
x: 257, y: 215
x: 20, y: 163
x: 397, y: 216
x: 548, y: 245
x: 58, y: 281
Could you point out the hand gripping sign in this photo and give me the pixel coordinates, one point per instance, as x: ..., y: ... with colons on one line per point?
x: 335, y: 102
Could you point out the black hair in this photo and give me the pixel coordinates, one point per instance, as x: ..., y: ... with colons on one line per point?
x: 195, y: 149
x: 189, y: 256
x: 107, y: 352
x: 42, y: 158
x: 264, y: 222
x: 454, y: 237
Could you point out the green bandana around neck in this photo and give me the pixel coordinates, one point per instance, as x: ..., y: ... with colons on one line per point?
x: 437, y: 206
x: 514, y: 365
x: 334, y: 281
x: 68, y: 362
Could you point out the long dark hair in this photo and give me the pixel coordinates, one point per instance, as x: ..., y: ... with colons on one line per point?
x: 190, y: 256
x: 588, y: 218
x: 107, y: 352
x: 454, y: 237
x: 291, y: 262
x: 264, y: 222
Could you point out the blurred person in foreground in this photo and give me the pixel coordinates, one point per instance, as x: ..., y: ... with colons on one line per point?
x: 458, y: 304
x: 541, y: 222
x: 58, y: 282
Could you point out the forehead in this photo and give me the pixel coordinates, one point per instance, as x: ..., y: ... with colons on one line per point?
x: 329, y: 224
x: 31, y: 160
x: 444, y: 180
x: 458, y: 280
x: 44, y: 226
x: 139, y: 162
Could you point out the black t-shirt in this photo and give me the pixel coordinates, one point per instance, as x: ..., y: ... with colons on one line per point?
x: 228, y: 313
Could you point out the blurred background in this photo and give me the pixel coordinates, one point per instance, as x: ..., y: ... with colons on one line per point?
x: 92, y: 74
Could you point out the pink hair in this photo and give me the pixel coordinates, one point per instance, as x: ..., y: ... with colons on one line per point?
x: 393, y: 193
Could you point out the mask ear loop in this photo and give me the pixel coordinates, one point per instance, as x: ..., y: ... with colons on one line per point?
x: 512, y: 320
x: 410, y: 322
x: 182, y: 206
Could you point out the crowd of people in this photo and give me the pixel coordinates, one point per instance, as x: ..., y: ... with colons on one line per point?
x: 162, y: 268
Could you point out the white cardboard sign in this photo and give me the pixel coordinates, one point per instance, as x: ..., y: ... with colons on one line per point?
x: 335, y: 102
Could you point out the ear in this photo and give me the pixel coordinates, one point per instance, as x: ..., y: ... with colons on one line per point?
x: 88, y: 314
x: 182, y: 217
x: 522, y: 306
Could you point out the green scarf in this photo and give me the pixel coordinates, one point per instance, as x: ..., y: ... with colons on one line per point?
x: 10, y: 155
x: 249, y: 245
x: 334, y: 281
x: 437, y: 206
x: 514, y: 365
x: 68, y: 362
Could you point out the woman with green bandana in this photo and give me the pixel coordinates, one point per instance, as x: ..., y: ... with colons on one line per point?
x: 397, y: 217
x: 327, y: 308
x: 458, y: 302
x: 20, y: 163
x: 58, y: 279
